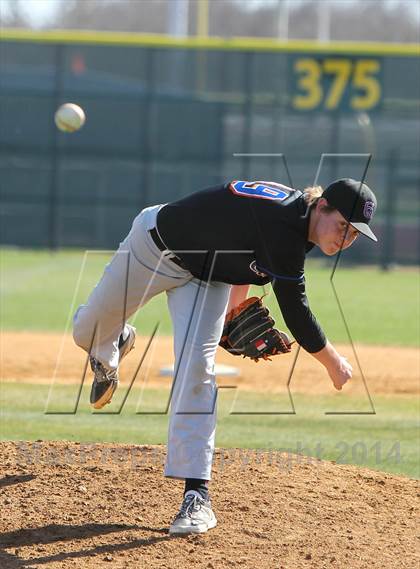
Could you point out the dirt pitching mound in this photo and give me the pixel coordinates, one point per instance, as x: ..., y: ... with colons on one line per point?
x: 70, y: 505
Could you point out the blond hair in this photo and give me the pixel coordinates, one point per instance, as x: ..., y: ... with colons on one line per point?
x: 312, y: 194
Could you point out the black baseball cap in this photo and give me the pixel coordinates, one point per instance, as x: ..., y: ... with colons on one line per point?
x: 355, y: 201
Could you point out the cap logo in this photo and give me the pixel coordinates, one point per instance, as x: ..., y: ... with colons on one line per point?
x: 368, y: 209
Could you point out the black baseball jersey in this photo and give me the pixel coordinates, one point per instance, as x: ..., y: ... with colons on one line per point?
x: 248, y: 233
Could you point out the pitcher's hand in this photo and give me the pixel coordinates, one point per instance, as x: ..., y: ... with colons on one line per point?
x: 340, y: 373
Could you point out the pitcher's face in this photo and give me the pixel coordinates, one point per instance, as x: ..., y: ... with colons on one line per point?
x: 334, y: 232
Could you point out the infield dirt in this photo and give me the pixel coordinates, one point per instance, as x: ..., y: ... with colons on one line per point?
x: 33, y: 357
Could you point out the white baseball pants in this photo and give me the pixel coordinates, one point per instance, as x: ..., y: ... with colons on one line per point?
x: 137, y: 272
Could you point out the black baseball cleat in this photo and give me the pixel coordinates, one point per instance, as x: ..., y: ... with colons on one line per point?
x: 105, y: 380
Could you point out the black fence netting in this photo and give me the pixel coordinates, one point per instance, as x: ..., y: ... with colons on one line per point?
x: 164, y: 121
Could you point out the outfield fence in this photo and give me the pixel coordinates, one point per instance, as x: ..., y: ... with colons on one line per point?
x: 167, y: 117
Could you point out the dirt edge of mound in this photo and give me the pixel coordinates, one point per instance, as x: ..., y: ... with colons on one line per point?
x: 67, y: 504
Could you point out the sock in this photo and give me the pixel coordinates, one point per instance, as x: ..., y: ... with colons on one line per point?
x: 198, y: 485
x: 123, y: 337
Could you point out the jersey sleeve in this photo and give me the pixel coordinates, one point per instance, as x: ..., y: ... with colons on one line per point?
x: 294, y: 306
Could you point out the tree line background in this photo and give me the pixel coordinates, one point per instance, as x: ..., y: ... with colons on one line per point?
x: 357, y: 20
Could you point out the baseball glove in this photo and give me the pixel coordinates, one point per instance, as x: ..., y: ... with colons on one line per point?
x: 249, y: 332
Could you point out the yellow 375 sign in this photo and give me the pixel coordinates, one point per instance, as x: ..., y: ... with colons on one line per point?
x: 336, y: 83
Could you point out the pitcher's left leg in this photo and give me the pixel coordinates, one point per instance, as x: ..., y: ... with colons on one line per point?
x: 198, y: 312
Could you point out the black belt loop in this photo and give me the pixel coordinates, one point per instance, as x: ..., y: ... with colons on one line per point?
x: 157, y: 240
x: 162, y: 247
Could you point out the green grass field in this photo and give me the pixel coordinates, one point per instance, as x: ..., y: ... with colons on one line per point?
x: 39, y: 291
x: 384, y: 441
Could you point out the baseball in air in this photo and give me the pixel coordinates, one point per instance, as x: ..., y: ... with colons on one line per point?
x: 70, y: 117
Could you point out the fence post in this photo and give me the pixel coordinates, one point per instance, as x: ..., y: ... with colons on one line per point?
x: 248, y: 111
x: 335, y: 144
x: 53, y: 201
x: 145, y: 192
x: 389, y: 211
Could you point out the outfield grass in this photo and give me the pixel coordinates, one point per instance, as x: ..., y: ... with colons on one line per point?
x: 40, y: 290
x: 384, y: 441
